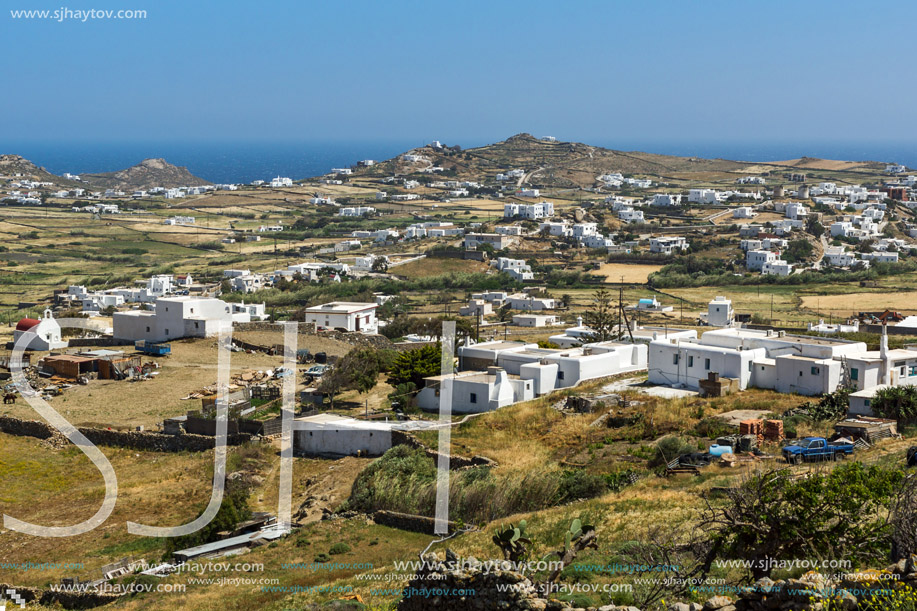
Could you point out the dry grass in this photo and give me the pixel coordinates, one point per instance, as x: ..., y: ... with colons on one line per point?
x: 632, y: 273
x: 437, y: 267
x: 903, y: 301
x: 192, y: 365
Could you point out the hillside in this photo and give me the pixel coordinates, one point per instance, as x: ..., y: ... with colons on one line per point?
x: 16, y: 166
x: 553, y: 164
x: 146, y: 174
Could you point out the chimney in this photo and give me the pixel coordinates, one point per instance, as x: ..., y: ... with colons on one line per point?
x: 579, y: 321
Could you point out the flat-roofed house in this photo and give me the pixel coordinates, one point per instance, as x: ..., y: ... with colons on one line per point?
x: 351, y: 316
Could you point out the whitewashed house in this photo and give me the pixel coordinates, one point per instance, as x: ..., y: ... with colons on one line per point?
x: 755, y: 260
x: 668, y: 244
x: 344, y: 315
x: 529, y: 211
x: 356, y: 211
x: 517, y: 268
x: 744, y: 212
x: 523, y: 301
x: 666, y: 199
x: 777, y: 267
x: 703, y: 196
x: 629, y: 215
x: 173, y: 318
x: 765, y: 359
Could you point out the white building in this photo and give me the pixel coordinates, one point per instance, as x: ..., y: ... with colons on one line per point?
x: 474, y: 392
x: 529, y: 211
x: 703, y: 196
x: 250, y: 311
x: 548, y: 370
x: 173, y: 318
x: 508, y: 230
x: 356, y: 211
x: 517, y: 268
x: 581, y: 230
x: 764, y: 359
x: 796, y: 211
x: 744, y: 212
x: 666, y: 199
x: 629, y: 215
x: 777, y: 267
x: 668, y: 244
x: 281, y: 182
x: 523, y: 301
x: 534, y: 320
x: 528, y: 193
x: 496, y: 240
x: 838, y: 256
x: 40, y: 334
x: 344, y: 315
x: 755, y: 260
x: 720, y: 312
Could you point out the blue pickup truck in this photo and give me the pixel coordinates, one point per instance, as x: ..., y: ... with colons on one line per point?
x: 810, y: 449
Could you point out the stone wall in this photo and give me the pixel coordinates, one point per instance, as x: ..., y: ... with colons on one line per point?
x: 455, y: 462
x: 135, y: 440
x: 406, y: 521
x: 79, y: 342
x: 67, y: 600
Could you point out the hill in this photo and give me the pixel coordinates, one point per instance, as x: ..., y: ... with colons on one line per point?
x: 554, y: 164
x: 16, y: 166
x: 146, y: 174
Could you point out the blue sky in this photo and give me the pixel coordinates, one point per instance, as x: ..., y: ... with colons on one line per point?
x: 462, y: 71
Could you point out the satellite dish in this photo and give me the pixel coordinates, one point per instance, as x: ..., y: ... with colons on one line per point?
x: 579, y: 215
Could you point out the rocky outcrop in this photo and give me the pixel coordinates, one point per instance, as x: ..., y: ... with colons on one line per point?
x: 145, y: 175
x: 813, y: 590
x: 467, y: 585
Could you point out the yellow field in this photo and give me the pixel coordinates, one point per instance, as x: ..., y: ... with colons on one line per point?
x: 903, y: 301
x: 630, y: 272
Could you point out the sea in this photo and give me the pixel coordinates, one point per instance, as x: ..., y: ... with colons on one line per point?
x: 243, y: 162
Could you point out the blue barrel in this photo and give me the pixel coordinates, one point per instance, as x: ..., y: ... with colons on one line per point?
x: 717, y: 450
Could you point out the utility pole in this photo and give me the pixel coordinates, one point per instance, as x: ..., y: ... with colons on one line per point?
x: 772, y: 308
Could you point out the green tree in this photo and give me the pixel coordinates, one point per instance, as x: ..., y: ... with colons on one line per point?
x: 380, y: 265
x: 814, y: 227
x: 601, y: 316
x: 233, y: 509
x: 415, y: 365
x: 897, y: 402
x: 775, y: 516
x: 797, y: 250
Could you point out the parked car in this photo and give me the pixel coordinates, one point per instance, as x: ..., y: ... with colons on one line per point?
x: 810, y: 449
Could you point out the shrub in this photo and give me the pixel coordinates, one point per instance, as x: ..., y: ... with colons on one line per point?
x: 578, y: 484
x: 339, y: 548
x: 668, y: 448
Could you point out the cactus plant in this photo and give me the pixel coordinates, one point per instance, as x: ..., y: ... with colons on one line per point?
x: 513, y: 541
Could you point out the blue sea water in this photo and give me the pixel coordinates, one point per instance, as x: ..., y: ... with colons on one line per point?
x: 240, y: 162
